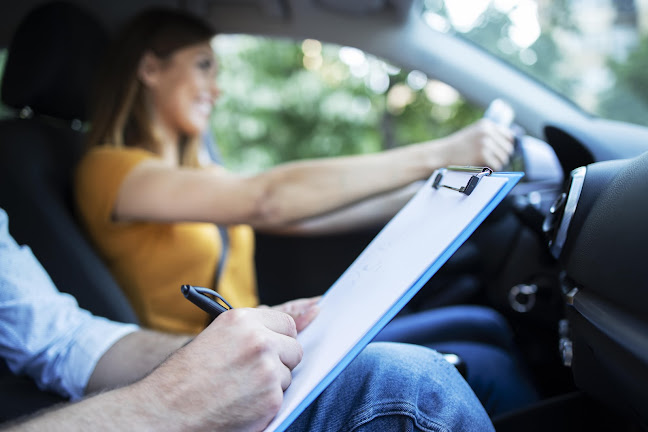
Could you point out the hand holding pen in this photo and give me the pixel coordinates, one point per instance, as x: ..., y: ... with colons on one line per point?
x: 303, y: 311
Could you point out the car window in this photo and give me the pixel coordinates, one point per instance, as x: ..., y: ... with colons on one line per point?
x: 593, y: 52
x: 283, y: 100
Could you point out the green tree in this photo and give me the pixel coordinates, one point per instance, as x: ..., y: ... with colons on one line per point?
x: 491, y: 31
x: 627, y: 100
x: 273, y: 109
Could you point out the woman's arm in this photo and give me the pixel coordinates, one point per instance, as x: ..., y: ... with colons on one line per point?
x: 371, y: 213
x: 299, y: 190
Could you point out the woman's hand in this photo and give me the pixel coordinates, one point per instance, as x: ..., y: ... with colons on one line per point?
x: 303, y: 311
x: 482, y: 143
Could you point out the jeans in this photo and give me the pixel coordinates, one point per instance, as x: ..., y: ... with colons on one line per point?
x: 483, y: 340
x: 449, y: 324
x: 396, y: 387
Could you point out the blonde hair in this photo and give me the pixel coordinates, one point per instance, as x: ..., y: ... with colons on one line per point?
x: 119, y: 115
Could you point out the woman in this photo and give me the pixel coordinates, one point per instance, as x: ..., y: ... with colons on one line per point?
x: 152, y: 208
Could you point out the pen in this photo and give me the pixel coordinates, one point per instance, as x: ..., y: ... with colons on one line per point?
x: 198, y: 296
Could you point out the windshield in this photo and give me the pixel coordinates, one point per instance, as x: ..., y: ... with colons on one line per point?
x: 590, y: 51
x: 285, y: 100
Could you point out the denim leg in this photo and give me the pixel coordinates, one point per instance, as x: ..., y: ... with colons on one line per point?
x: 497, y: 378
x: 450, y: 323
x: 396, y: 387
x: 484, y: 341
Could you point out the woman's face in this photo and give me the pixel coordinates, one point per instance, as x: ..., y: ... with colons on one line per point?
x: 182, y: 88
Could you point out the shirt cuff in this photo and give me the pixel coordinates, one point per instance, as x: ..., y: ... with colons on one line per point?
x: 92, y: 343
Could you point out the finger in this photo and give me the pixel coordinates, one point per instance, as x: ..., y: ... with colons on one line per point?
x: 302, y: 302
x: 289, y: 350
x: 277, y: 321
x: 492, y: 160
x: 310, y: 300
x: 283, y: 332
x: 270, y: 333
x: 285, y: 374
x: 303, y: 311
x: 506, y: 143
x: 498, y: 151
x: 298, y: 307
x: 503, y: 130
x: 502, y: 135
x: 306, y: 317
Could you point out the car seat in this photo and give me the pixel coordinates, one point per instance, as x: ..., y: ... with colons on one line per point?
x: 47, y: 74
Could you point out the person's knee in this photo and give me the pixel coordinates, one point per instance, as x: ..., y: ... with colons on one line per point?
x: 402, y: 375
x: 400, y: 367
x: 402, y: 361
x: 390, y: 385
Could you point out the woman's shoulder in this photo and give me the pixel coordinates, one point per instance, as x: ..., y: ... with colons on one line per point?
x: 108, y: 161
x: 111, y: 156
x: 114, y: 152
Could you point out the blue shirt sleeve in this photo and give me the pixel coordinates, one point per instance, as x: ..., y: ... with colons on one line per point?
x: 43, y: 332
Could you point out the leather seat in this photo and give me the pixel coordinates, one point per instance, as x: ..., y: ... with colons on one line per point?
x: 46, y: 78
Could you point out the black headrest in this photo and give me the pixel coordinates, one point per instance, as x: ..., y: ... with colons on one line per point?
x: 51, y: 61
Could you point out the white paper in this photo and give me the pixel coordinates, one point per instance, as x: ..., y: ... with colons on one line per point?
x: 390, y: 265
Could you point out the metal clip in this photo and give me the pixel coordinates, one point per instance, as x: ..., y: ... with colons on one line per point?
x: 472, y: 181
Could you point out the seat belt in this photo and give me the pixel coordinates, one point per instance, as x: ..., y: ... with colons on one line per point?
x: 223, y: 256
x: 222, y: 230
x: 214, y: 156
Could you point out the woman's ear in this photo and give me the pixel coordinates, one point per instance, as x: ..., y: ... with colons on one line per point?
x: 149, y: 68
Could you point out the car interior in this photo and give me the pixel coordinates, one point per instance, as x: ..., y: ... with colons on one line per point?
x: 561, y: 257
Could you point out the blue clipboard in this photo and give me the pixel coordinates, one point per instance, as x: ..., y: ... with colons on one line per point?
x: 406, y: 253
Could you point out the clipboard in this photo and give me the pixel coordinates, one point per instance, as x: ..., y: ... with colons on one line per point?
x: 404, y: 255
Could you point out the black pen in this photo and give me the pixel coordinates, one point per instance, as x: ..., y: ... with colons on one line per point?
x: 198, y: 296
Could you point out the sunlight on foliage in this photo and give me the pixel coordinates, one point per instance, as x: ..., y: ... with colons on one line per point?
x: 284, y: 100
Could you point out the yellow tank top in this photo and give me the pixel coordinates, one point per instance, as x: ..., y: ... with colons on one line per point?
x: 152, y: 260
